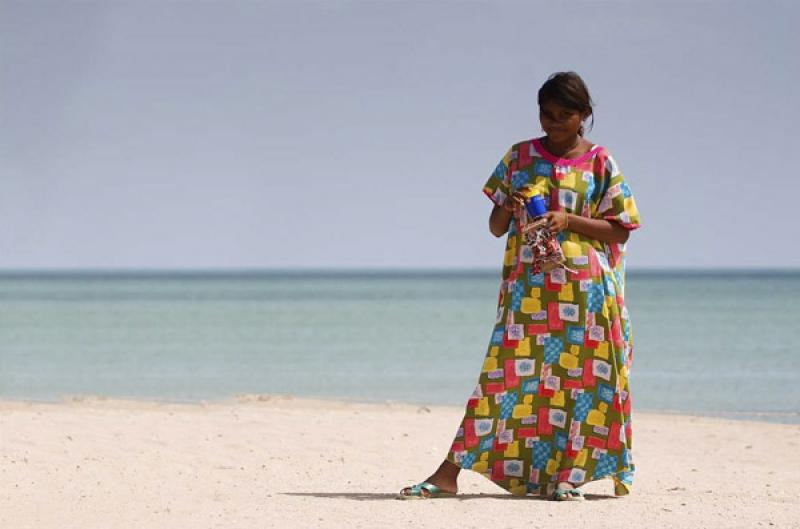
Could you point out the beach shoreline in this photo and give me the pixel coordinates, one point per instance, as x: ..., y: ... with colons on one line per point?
x: 773, y: 417
x: 286, y: 461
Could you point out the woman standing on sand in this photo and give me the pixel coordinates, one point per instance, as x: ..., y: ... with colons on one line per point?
x: 552, y: 408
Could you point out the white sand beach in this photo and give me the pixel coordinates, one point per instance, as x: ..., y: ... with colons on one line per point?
x: 277, y: 461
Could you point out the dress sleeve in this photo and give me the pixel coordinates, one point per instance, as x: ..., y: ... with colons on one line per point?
x: 499, y: 183
x: 617, y: 202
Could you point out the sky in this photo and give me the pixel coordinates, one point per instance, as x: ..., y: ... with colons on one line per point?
x: 253, y: 134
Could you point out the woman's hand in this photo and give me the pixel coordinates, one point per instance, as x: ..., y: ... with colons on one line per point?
x: 516, y: 201
x: 557, y: 221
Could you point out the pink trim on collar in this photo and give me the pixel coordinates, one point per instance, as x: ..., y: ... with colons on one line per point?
x: 564, y: 161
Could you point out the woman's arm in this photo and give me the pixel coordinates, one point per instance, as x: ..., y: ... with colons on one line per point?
x: 599, y: 229
x: 499, y: 220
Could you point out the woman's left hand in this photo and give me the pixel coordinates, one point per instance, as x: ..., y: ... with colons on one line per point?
x: 556, y: 220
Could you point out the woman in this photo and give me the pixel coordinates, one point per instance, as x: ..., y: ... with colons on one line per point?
x: 552, y: 408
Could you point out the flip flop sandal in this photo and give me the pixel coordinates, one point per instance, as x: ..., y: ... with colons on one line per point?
x: 568, y: 495
x: 416, y: 492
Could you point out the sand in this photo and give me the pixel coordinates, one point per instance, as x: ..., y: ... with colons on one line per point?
x: 277, y: 461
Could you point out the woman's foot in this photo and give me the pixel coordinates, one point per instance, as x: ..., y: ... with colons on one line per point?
x: 445, y: 478
x: 423, y: 490
x: 566, y: 491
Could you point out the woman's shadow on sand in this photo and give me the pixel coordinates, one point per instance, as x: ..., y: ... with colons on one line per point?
x: 381, y: 496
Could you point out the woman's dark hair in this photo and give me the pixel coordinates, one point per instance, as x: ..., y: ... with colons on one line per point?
x: 568, y: 90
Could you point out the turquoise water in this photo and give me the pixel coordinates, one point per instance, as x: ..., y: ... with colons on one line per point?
x: 708, y: 343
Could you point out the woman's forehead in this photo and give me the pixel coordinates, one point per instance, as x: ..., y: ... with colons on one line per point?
x: 554, y: 107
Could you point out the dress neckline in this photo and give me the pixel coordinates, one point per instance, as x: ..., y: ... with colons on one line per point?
x: 537, y: 144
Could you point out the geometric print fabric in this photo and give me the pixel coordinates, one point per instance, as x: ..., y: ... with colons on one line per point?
x: 553, y: 400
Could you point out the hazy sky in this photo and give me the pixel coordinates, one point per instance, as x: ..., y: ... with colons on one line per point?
x: 232, y: 134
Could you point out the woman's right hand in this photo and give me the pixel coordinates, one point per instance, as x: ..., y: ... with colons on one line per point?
x: 516, y: 201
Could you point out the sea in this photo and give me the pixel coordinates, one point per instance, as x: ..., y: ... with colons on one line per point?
x: 719, y: 343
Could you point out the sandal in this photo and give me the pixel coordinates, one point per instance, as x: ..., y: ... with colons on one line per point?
x: 568, y: 495
x: 416, y: 492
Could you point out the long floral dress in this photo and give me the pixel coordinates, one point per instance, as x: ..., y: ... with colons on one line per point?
x: 553, y: 401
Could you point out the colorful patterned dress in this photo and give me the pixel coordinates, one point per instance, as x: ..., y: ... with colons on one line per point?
x: 553, y: 402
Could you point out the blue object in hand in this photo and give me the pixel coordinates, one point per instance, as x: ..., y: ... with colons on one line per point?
x: 536, y: 206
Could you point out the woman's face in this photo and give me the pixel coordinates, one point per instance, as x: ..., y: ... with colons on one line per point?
x: 561, y: 124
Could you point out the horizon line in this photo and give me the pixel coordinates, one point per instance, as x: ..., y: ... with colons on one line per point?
x: 380, y: 271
